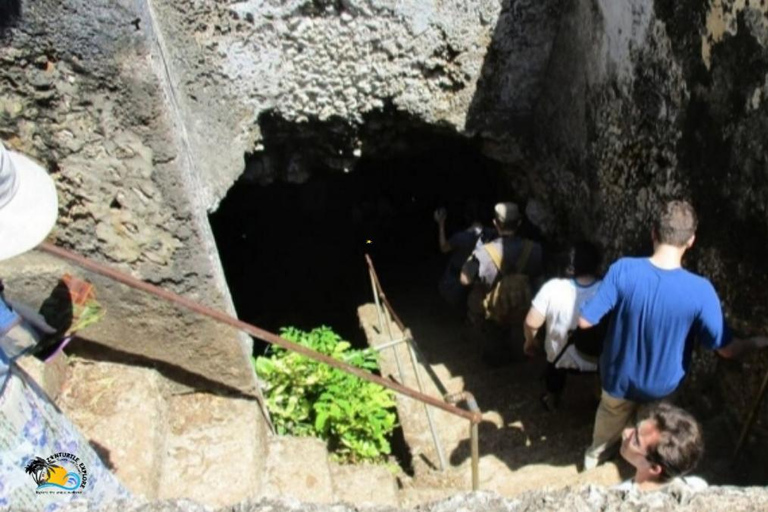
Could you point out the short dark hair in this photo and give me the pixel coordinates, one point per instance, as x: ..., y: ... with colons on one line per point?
x: 584, y: 258
x: 680, y: 446
x: 675, y: 223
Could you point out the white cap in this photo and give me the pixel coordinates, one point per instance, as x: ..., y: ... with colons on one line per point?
x: 506, y: 212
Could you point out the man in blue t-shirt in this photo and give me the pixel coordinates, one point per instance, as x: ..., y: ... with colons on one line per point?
x: 659, y: 310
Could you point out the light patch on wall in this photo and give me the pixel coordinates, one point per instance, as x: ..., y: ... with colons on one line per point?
x: 722, y: 20
x: 755, y: 100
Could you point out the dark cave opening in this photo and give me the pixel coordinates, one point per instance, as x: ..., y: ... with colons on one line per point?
x: 293, y: 249
x: 293, y: 254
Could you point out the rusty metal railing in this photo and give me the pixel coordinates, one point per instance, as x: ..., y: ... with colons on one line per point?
x: 473, y: 416
x: 466, y: 396
x: 386, y: 314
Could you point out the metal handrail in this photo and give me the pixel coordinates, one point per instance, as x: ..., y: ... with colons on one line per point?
x: 378, y: 293
x: 375, y: 278
x: 469, y: 398
x: 221, y: 317
x: 415, y: 355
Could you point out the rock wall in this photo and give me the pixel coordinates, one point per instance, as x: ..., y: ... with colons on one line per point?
x: 341, y: 61
x: 83, y: 90
x: 79, y: 93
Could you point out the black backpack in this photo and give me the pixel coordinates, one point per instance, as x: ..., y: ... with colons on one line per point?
x: 588, y: 342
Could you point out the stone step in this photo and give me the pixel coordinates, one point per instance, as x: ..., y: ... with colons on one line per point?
x: 364, y: 485
x: 297, y: 468
x: 455, y: 358
x: 410, y: 498
x: 495, y: 474
x: 102, y: 399
x: 211, y: 435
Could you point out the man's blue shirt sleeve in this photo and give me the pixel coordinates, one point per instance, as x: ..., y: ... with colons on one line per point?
x: 605, y: 299
x: 713, y: 332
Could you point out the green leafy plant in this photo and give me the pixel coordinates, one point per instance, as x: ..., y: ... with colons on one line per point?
x: 306, y: 397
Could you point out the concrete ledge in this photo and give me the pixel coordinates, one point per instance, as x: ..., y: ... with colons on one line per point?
x: 215, y: 449
x: 121, y: 411
x: 297, y: 468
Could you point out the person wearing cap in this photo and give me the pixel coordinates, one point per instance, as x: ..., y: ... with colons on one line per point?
x: 33, y: 428
x: 481, y: 268
x: 507, y: 254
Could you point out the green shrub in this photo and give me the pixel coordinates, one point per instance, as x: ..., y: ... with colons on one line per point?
x: 306, y: 397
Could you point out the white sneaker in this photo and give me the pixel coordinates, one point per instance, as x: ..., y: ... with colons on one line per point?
x: 590, y: 463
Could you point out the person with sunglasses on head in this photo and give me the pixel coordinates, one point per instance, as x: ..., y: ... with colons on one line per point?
x: 664, y: 446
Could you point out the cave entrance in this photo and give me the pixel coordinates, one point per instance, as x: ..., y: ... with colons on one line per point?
x: 293, y: 230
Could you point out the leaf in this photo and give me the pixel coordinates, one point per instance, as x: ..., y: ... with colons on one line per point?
x: 341, y: 346
x: 320, y: 421
x: 264, y: 366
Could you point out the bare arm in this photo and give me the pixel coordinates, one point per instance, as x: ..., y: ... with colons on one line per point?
x: 445, y: 247
x: 533, y: 322
x: 584, y: 323
x: 440, y: 216
x: 469, y: 271
x: 738, y: 347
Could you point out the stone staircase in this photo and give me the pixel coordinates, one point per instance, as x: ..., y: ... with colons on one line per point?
x: 194, y: 445
x: 522, y: 446
x: 166, y: 442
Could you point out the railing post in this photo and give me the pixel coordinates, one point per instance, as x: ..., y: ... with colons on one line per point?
x: 388, y: 323
x: 474, y: 431
x: 376, y: 299
x: 427, y: 410
x: 385, y: 315
x: 474, y: 435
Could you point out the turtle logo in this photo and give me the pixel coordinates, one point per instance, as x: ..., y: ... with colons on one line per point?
x: 60, y: 473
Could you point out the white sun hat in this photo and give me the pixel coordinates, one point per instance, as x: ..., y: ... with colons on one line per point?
x: 28, y: 203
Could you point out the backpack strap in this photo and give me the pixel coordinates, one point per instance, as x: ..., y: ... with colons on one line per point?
x: 562, y: 352
x: 495, y: 255
x: 522, y: 260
